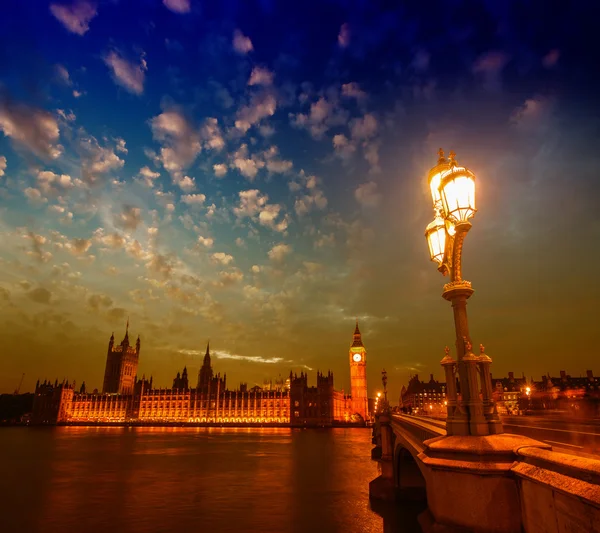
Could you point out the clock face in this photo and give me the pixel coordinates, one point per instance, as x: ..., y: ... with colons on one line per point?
x: 357, y: 357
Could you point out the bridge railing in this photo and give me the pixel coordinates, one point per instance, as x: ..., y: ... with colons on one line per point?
x: 419, y: 428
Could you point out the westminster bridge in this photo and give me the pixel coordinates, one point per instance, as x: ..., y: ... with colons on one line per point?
x: 500, y: 483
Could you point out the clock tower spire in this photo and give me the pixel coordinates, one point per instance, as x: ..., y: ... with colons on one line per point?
x: 358, y: 375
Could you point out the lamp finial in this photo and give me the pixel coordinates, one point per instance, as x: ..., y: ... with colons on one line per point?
x: 441, y: 159
x: 452, y: 156
x: 481, y: 348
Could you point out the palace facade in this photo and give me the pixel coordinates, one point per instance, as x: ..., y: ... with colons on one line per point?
x: 127, y: 399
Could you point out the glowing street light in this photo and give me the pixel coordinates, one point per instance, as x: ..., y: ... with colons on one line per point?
x: 452, y: 189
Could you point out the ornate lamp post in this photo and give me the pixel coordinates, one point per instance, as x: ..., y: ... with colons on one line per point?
x: 452, y: 190
x: 384, y: 381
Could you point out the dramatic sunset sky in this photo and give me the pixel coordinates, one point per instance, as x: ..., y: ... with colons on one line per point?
x: 253, y: 172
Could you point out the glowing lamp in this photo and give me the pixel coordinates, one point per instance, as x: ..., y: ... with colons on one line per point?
x: 457, y: 190
x: 379, y: 394
x: 434, y: 178
x: 435, y: 233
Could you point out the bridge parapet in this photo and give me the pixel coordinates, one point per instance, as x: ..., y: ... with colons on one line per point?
x: 559, y: 492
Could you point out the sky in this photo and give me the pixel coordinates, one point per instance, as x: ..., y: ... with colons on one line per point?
x: 254, y: 173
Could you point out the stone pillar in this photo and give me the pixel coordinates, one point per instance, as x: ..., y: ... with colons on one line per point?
x: 449, y: 365
x: 489, y: 406
x: 383, y: 487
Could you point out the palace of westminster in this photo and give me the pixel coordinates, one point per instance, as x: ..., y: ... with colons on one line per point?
x: 127, y: 399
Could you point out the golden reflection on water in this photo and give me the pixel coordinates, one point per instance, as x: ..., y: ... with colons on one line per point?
x: 159, y: 479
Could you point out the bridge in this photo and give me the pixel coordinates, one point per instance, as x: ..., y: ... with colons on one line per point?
x: 501, y: 483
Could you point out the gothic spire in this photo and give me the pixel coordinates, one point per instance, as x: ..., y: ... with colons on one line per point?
x: 357, y: 341
x: 126, y: 331
x: 207, y: 354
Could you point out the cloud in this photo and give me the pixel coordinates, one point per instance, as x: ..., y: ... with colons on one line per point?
x: 323, y: 115
x: 363, y: 128
x: 367, y: 194
x: 261, y: 105
x: 63, y: 75
x: 275, y: 165
x: 194, y: 199
x: 77, y: 17
x: 248, y: 166
x: 130, y: 218
x: 51, y: 183
x: 96, y: 301
x: 186, y: 183
x: 344, y: 147
x: 38, y: 253
x: 96, y: 160
x: 147, y: 176
x: 161, y: 264
x: 220, y: 170
x: 112, y: 240
x: 490, y: 66
x: 30, y: 127
x: 78, y: 246
x: 255, y: 204
x: 2, y: 165
x: 207, y: 242
x: 221, y: 258
x: 533, y: 115
x: 227, y: 279
x: 312, y: 197
x: 353, y: 90
x: 279, y: 252
x: 344, y: 36
x: 181, y: 141
x: 241, y: 43
x: 127, y: 74
x: 34, y: 196
x: 40, y: 295
x: 260, y: 76
x: 211, y: 134
x: 178, y: 6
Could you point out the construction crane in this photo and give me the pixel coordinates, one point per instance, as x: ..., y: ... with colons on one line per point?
x: 20, y: 383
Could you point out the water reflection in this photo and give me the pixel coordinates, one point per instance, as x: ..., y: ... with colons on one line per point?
x: 201, y: 479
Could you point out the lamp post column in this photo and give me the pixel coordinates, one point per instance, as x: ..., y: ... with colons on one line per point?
x: 449, y: 365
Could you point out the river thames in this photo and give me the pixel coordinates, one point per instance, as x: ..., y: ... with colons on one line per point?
x: 131, y: 480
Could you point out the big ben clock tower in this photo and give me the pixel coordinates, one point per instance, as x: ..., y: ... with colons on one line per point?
x: 358, y: 375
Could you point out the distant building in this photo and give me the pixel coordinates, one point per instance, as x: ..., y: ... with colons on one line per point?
x: 125, y: 398
x: 424, y: 397
x: 507, y: 393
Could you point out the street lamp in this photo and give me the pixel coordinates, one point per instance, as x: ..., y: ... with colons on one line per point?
x: 452, y: 189
x: 384, y: 381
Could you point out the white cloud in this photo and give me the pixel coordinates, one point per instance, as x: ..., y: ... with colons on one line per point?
x: 31, y: 127
x: 367, y: 194
x: 211, y: 134
x: 343, y: 146
x: 256, y: 269
x: 51, y: 183
x: 78, y: 246
x: 120, y: 145
x: 194, y: 199
x: 260, y: 76
x: 251, y: 203
x: 97, y: 160
x: 490, y: 66
x: 275, y: 165
x: 127, y: 74
x: 77, y: 17
x: 207, y: 242
x: 261, y: 105
x: 178, y: 6
x: 148, y: 176
x: 241, y: 43
x: 323, y: 115
x: 279, y: 252
x: 2, y: 165
x: 247, y: 165
x: 312, y: 196
x: 222, y: 258
x: 186, y: 184
x: 220, y: 170
x: 344, y: 36
x: 34, y: 196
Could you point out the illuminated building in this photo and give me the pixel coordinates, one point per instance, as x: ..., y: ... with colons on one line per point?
x: 423, y: 397
x: 127, y: 399
x: 358, y: 375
